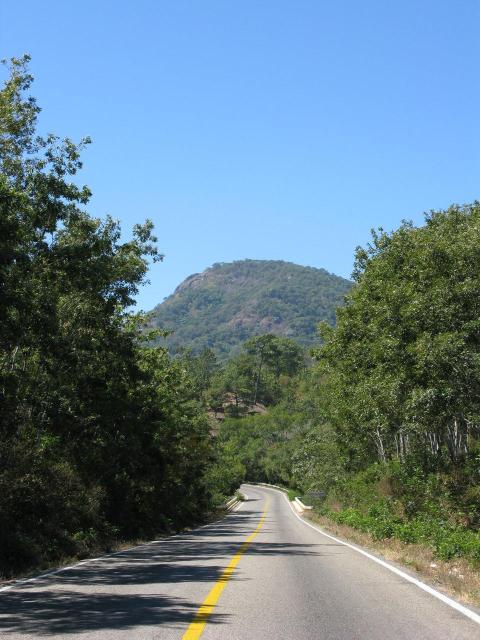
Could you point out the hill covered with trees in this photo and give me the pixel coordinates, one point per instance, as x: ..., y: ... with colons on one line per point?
x: 231, y: 302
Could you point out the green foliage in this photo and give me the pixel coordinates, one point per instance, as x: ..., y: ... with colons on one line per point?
x: 258, y: 446
x: 402, y: 365
x: 225, y: 475
x: 100, y: 436
x: 387, y: 423
x: 261, y: 373
x: 230, y: 303
x: 398, y: 501
x: 317, y: 462
x: 290, y: 444
x: 447, y: 541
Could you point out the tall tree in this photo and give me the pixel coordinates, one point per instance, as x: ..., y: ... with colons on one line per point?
x: 402, y: 364
x: 99, y: 435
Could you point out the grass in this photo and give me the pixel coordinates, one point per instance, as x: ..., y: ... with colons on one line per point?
x: 446, y: 540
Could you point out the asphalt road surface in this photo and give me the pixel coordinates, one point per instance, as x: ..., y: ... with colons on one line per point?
x: 259, y: 574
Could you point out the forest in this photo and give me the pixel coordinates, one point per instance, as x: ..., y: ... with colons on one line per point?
x: 106, y: 437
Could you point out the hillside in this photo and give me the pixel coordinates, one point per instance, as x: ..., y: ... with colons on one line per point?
x: 231, y: 302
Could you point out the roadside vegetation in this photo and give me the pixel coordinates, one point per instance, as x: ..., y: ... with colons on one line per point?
x: 102, y: 437
x: 385, y: 422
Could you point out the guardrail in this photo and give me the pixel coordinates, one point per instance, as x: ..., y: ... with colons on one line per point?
x: 302, y: 506
x: 297, y: 503
x: 273, y: 486
x: 232, y: 503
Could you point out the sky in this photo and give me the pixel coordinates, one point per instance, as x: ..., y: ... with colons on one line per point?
x: 266, y: 129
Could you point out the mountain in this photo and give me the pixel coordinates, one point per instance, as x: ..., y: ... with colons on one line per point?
x: 232, y: 301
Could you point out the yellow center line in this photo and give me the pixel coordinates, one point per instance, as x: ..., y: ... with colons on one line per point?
x: 197, y: 625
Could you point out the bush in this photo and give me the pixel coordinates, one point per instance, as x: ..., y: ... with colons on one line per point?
x: 447, y: 541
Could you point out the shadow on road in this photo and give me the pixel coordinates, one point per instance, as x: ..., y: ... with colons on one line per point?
x: 107, y: 594
x: 71, y: 612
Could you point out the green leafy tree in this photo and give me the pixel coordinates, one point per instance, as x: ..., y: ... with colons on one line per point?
x: 403, y: 361
x: 255, y: 375
x: 201, y: 367
x: 100, y: 436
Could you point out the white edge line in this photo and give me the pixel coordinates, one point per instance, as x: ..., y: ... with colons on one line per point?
x: 421, y: 585
x: 40, y: 576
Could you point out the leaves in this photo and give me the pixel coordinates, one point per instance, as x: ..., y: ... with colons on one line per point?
x: 100, y: 435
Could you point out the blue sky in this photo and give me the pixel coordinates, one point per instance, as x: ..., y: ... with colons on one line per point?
x: 260, y: 129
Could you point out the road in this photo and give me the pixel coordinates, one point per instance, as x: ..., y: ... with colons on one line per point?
x: 260, y: 574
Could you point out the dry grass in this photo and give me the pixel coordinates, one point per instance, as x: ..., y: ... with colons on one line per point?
x: 457, y: 578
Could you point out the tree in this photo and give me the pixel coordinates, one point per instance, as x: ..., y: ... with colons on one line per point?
x: 201, y: 367
x: 262, y: 348
x: 402, y: 363
x: 100, y: 436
